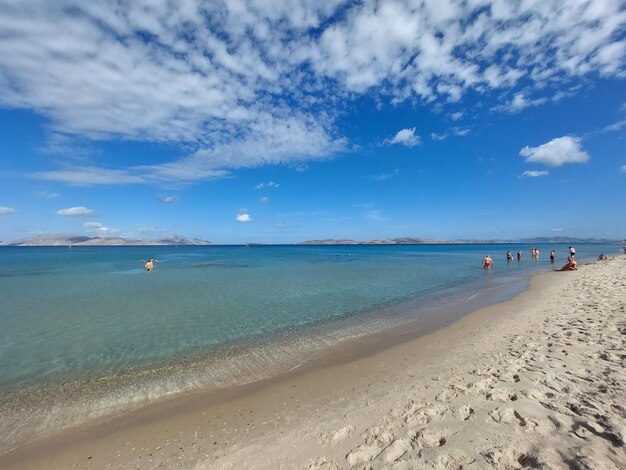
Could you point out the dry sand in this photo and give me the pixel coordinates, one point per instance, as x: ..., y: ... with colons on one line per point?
x: 536, y: 382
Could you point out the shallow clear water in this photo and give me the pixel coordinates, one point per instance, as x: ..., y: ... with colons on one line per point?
x: 84, y: 312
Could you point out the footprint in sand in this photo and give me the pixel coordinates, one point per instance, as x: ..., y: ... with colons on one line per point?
x: 322, y: 464
x: 463, y: 413
x: 430, y: 438
x: 507, y: 416
x: 396, y: 450
x: 502, y: 395
x: 446, y: 396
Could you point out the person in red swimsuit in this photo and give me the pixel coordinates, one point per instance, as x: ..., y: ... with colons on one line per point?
x: 487, y: 262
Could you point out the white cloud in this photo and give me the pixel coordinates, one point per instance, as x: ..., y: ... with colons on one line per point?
x: 243, y: 216
x: 456, y: 116
x: 99, y: 229
x: 438, y: 137
x: 405, y: 137
x: 264, y: 199
x: 520, y: 102
x: 556, y: 229
x: 6, y: 210
x: 535, y: 173
x: 270, y: 184
x: 256, y: 83
x: 167, y: 198
x: 75, y: 212
x: 624, y: 168
x: 557, y: 152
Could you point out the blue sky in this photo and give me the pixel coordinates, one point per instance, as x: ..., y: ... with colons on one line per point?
x: 287, y: 121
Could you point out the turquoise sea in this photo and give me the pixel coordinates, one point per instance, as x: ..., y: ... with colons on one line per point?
x: 88, y: 327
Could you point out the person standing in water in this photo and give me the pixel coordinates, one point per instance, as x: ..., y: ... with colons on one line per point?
x: 519, y: 255
x: 149, y: 264
x: 552, y: 256
x: 572, y: 251
x: 487, y: 262
x: 509, y: 256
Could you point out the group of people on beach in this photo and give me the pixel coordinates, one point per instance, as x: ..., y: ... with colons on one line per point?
x: 571, y: 264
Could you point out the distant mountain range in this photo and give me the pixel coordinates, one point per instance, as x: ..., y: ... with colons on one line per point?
x: 429, y: 241
x: 81, y: 240
x: 61, y: 239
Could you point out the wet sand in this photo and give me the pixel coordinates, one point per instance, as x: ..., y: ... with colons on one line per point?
x: 534, y: 381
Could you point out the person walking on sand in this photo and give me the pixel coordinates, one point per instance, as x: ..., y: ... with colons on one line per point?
x: 487, y: 262
x: 149, y: 264
x: 552, y: 256
x: 519, y: 255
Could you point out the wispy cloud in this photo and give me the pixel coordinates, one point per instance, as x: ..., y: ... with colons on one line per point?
x: 534, y: 173
x: 383, y: 176
x: 624, y: 168
x: 374, y: 214
x: 89, y: 176
x: 47, y: 194
x: 79, y: 211
x: 557, y: 152
x: 556, y: 229
x: 6, y: 210
x: 270, y: 184
x: 98, y: 228
x: 264, y: 199
x: 405, y: 137
x: 167, y: 198
x: 261, y: 84
x: 616, y: 126
x: 520, y: 102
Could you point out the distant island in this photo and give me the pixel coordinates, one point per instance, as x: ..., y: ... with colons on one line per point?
x: 81, y: 240
x: 430, y: 241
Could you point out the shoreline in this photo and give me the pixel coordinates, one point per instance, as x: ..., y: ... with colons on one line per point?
x: 237, y: 420
x: 35, y: 413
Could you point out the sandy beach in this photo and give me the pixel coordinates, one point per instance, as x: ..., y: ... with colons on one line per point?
x: 537, y: 382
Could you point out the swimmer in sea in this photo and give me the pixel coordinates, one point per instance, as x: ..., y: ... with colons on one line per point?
x: 519, y: 255
x: 552, y: 256
x: 487, y: 262
x: 149, y: 264
x: 509, y: 256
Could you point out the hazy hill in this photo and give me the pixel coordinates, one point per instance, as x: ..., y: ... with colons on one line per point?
x: 61, y: 239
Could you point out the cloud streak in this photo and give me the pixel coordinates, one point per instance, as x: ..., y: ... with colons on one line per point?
x: 6, y: 210
x: 79, y: 211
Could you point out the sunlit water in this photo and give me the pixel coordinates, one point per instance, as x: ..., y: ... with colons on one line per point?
x: 214, y: 315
